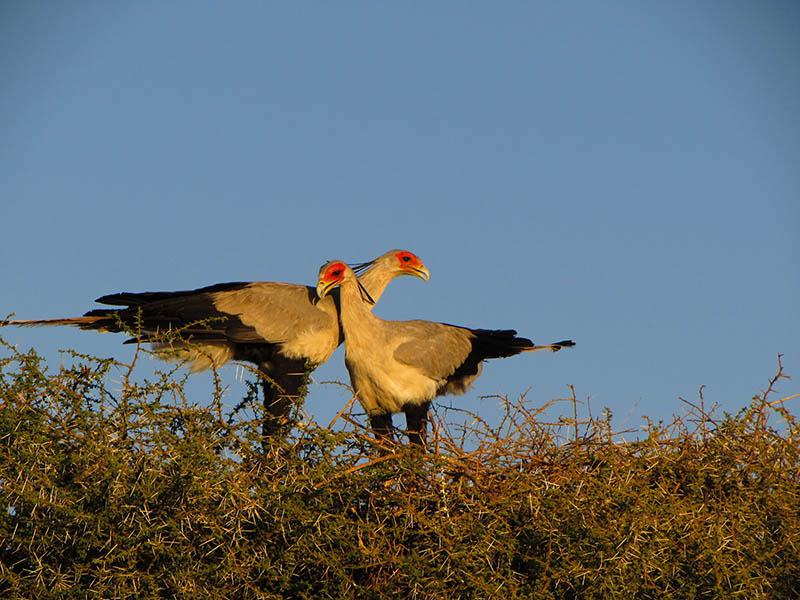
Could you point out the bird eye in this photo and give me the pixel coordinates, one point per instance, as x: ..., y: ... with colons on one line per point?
x: 337, y: 272
x: 406, y: 258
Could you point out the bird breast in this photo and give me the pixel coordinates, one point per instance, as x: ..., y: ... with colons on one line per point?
x: 383, y: 384
x: 315, y: 345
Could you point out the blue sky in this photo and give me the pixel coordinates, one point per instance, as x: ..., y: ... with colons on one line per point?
x: 626, y: 175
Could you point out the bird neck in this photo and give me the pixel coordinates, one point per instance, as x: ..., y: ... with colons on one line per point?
x: 355, y: 311
x: 375, y: 279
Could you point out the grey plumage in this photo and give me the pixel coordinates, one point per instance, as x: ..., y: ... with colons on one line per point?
x: 285, y: 329
x: 401, y: 366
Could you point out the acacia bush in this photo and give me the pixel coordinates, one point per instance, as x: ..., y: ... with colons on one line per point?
x: 129, y: 489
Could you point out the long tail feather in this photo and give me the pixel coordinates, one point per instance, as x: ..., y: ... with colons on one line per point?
x: 554, y: 347
x: 92, y: 322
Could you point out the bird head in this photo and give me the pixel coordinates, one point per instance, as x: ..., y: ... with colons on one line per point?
x: 331, y: 274
x: 409, y: 263
x: 398, y: 262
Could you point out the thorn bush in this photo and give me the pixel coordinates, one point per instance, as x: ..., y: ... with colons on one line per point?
x: 131, y: 490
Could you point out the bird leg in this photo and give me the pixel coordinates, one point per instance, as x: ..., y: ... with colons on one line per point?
x: 381, y: 424
x: 417, y: 422
x: 284, y: 385
x: 277, y: 406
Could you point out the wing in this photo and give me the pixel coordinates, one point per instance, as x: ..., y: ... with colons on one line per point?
x: 437, y: 349
x: 452, y: 355
x: 194, y: 312
x: 287, y: 314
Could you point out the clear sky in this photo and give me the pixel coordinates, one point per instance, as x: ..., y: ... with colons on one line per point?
x: 625, y: 174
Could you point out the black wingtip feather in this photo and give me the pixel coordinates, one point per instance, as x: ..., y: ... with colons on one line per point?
x: 498, y: 343
x: 141, y: 298
x: 490, y: 343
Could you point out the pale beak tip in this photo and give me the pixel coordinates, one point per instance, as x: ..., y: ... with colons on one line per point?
x: 424, y: 273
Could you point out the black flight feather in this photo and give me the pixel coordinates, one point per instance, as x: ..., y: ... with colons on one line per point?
x: 490, y: 343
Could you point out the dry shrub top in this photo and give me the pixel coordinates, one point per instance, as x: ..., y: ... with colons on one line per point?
x: 132, y: 490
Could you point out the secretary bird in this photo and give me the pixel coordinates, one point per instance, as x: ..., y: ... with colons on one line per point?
x: 283, y: 328
x: 401, y: 366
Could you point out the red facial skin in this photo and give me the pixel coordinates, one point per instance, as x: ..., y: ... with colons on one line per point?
x: 334, y: 272
x: 407, y: 259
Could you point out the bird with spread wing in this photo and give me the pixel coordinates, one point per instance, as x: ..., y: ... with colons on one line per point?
x: 285, y: 329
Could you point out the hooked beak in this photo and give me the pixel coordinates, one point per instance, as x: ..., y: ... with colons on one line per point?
x: 420, y: 271
x: 324, y: 287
